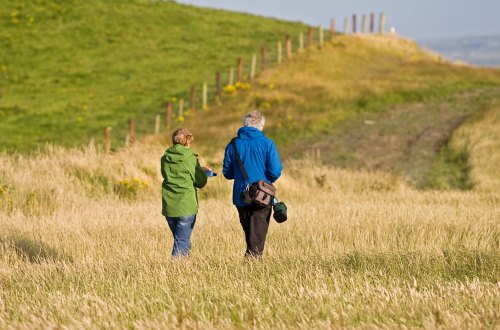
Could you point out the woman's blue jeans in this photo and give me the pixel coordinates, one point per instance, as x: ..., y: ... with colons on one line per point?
x: 181, y: 228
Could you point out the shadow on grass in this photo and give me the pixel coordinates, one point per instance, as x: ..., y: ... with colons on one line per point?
x: 34, y: 251
x: 427, y: 268
x: 449, y: 264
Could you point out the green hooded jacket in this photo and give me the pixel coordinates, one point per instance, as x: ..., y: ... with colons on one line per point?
x: 182, y: 174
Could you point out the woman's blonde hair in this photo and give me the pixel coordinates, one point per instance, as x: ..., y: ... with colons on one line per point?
x: 182, y: 136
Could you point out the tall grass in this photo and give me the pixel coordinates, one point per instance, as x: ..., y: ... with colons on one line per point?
x: 359, y: 250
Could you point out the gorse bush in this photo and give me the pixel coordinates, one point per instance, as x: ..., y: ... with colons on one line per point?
x: 129, y: 187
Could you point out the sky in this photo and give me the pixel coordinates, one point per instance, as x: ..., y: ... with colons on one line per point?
x: 416, y: 19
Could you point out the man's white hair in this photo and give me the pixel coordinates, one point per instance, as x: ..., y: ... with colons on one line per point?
x: 254, y: 119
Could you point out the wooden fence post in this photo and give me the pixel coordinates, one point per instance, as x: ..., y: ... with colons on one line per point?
x: 346, y: 25
x: 288, y: 48
x: 264, y: 58
x: 381, y: 29
x: 193, y: 99
x: 204, y: 99
x: 131, y: 130
x: 157, y: 124
x: 181, y: 108
x: 253, y: 67
x: 354, y: 24
x: 332, y: 29
x: 168, y: 115
x: 372, y: 22
x: 280, y: 51
x: 127, y: 140
x: 107, y: 140
x: 217, y: 84
x: 301, y: 41
x: 321, y: 37
x: 309, y: 37
x: 363, y: 24
x: 231, y: 76
x: 240, y: 69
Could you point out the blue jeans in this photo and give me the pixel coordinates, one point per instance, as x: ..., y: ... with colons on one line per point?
x: 181, y: 228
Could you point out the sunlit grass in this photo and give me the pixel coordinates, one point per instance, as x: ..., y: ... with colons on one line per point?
x: 359, y: 250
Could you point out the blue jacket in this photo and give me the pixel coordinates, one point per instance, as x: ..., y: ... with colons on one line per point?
x: 260, y: 159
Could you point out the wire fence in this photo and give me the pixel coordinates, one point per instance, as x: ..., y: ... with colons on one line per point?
x: 236, y: 76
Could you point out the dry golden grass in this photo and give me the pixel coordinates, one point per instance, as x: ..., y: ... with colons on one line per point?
x: 83, y: 245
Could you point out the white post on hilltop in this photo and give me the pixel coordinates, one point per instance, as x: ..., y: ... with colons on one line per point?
x: 381, y: 29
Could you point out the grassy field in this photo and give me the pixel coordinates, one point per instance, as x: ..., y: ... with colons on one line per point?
x: 360, y: 124
x: 83, y: 244
x: 70, y: 68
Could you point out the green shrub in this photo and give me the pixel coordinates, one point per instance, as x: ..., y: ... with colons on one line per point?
x: 95, y: 183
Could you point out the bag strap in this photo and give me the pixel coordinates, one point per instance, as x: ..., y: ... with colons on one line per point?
x: 240, y: 163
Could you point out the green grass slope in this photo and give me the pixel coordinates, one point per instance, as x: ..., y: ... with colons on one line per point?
x: 70, y: 68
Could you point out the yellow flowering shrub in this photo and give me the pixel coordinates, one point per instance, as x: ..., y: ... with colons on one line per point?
x: 230, y: 89
x: 130, y: 187
x: 242, y: 86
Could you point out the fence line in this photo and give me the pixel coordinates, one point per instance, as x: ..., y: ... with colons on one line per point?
x: 175, y: 113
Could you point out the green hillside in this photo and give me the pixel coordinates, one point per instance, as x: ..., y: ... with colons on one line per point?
x: 70, y: 68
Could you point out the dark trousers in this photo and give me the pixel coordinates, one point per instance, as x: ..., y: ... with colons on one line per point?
x: 255, y: 222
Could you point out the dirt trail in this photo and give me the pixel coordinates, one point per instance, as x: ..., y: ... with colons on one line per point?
x: 403, y: 139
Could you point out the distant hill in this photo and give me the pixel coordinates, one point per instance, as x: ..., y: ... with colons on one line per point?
x: 483, y: 51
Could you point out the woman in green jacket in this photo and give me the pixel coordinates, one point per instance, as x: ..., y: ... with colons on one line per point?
x: 182, y: 175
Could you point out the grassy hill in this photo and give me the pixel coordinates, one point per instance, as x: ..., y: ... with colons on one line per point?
x: 70, y: 68
x: 365, y: 102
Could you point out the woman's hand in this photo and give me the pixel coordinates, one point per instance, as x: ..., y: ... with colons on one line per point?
x: 206, y: 169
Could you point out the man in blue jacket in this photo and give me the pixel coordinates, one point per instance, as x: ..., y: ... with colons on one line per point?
x: 261, y: 161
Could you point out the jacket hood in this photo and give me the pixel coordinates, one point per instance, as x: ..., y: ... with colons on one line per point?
x: 247, y: 133
x: 178, y: 153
